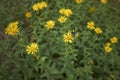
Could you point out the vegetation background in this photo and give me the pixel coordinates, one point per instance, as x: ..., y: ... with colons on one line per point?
x: 102, y: 67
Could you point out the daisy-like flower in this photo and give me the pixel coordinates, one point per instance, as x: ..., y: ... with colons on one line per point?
x: 35, y: 7
x: 108, y: 49
x: 44, y: 4
x: 91, y: 25
x: 50, y: 24
x: 28, y: 14
x: 79, y: 1
x: 108, y: 44
x: 91, y: 9
x: 61, y: 11
x: 32, y: 48
x: 12, y: 28
x: 66, y: 12
x: 98, y: 30
x: 68, y: 38
x: 104, y: 1
x: 114, y: 39
x: 40, y: 5
x: 62, y: 19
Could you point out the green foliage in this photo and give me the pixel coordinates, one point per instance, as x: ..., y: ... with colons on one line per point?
x: 55, y: 59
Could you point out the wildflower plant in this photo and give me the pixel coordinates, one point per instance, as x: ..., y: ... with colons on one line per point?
x: 63, y: 40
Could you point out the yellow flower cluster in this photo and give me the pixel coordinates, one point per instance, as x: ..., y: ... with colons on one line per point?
x: 104, y: 1
x: 108, y: 44
x: 40, y: 5
x: 62, y: 19
x: 91, y: 26
x: 12, y: 28
x: 79, y: 1
x: 28, y: 14
x: 107, y: 47
x: 50, y: 24
x: 66, y: 12
x: 32, y: 48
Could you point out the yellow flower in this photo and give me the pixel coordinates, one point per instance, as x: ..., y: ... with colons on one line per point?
x: 68, y: 38
x: 108, y: 49
x: 91, y: 25
x: 28, y: 14
x: 32, y: 48
x: 62, y: 11
x: 50, y: 24
x: 91, y: 62
x: 104, y: 1
x: 12, y: 28
x: 91, y: 9
x: 43, y: 4
x: 66, y: 12
x: 39, y: 5
x: 98, y: 30
x: 114, y: 40
x: 118, y: 0
x: 108, y: 44
x: 36, y: 7
x: 62, y: 19
x: 79, y: 1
